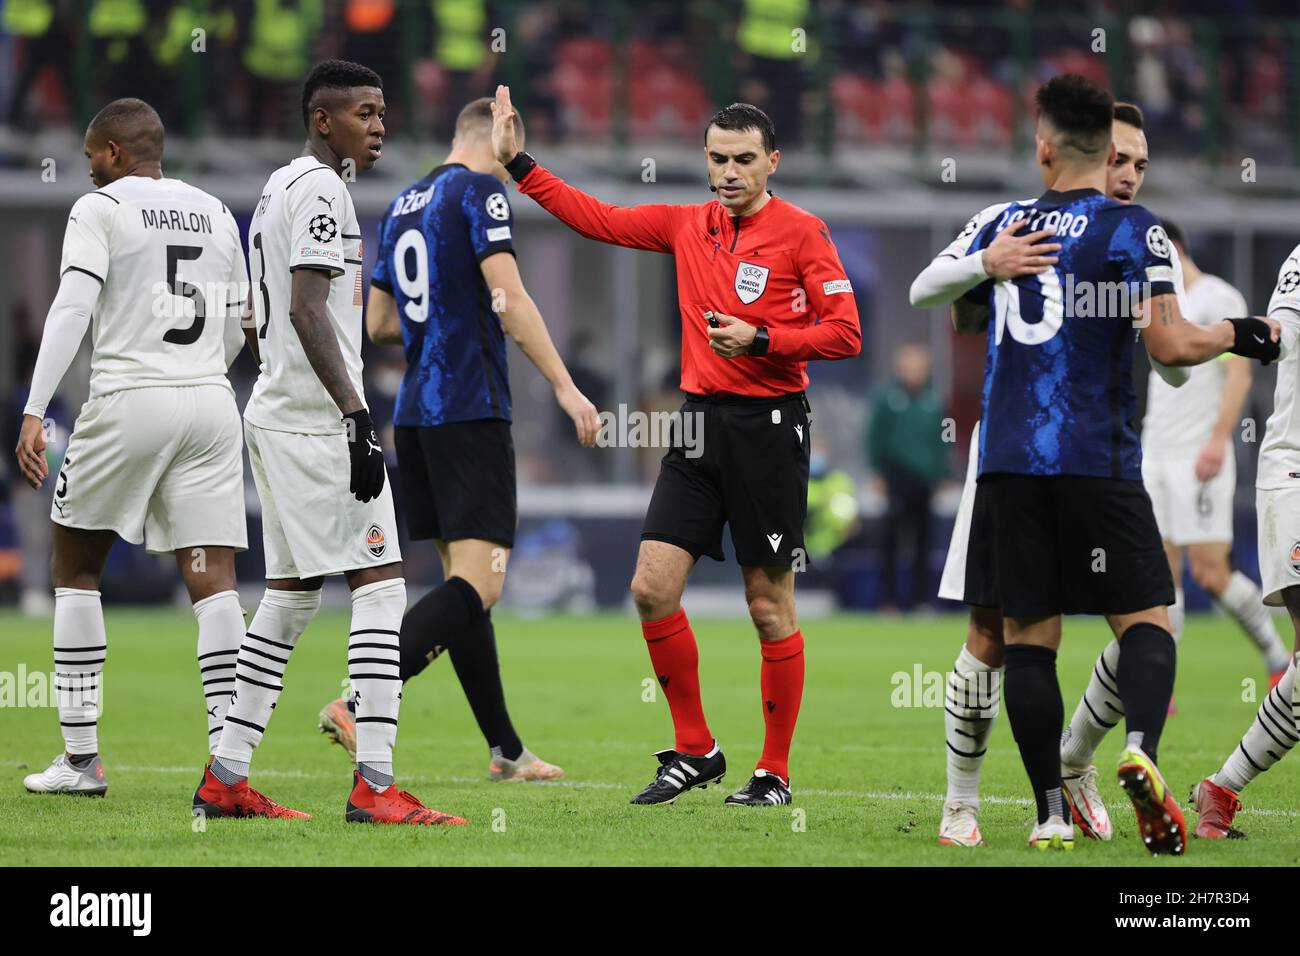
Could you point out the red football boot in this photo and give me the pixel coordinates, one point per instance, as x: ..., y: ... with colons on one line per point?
x: 216, y: 799
x: 365, y: 805
x: 1216, y: 806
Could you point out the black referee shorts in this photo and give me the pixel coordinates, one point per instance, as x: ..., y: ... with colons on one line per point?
x: 458, y: 481
x: 741, y: 462
x: 1041, y: 546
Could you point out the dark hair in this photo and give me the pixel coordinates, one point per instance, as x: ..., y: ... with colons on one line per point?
x: 133, y: 124
x: 1129, y: 113
x: 1174, y: 232
x: 479, y: 113
x: 335, y: 75
x: 1079, y: 110
x: 739, y: 117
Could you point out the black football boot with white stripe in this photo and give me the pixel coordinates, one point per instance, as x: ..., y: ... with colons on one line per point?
x: 679, y: 772
x: 765, y: 789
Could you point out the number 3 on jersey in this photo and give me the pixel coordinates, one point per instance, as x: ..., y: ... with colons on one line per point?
x: 1009, y: 300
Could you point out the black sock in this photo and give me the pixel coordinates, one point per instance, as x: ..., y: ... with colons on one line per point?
x: 474, y: 656
x: 1032, y: 698
x: 1147, y: 661
x: 437, y: 621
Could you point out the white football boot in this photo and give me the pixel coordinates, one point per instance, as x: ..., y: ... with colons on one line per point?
x: 960, y: 825
x: 62, y: 777
x: 1055, y: 834
x: 1079, y: 784
x: 528, y: 767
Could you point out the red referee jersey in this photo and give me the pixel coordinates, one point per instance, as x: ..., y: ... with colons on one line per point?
x: 777, y: 268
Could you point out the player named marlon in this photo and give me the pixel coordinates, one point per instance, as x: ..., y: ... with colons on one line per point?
x: 748, y: 253
x: 318, y: 466
x: 155, y: 454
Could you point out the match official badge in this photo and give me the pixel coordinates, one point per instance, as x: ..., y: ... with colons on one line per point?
x: 376, y: 542
x: 751, y: 280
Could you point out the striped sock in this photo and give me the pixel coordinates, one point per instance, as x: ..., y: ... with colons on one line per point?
x: 259, y: 672
x: 80, y: 648
x: 973, y: 699
x: 374, y: 666
x: 1245, y: 603
x: 1270, y: 738
x: 221, y: 631
x: 1099, y: 710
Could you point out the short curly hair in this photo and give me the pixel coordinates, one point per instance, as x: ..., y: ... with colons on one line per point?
x: 335, y: 75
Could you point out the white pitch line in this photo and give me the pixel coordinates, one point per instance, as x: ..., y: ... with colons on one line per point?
x: 902, y: 795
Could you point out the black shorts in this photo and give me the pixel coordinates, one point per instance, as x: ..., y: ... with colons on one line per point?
x: 458, y: 481
x: 1041, y: 546
x: 741, y: 462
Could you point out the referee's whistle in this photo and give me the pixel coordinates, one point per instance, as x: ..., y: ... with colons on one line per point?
x: 712, y: 320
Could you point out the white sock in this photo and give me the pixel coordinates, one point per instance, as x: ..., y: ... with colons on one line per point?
x: 1244, y: 601
x: 259, y: 670
x: 973, y: 699
x: 1177, y: 615
x: 374, y: 661
x: 80, y: 647
x: 1271, y: 736
x: 221, y: 631
x: 1099, y: 710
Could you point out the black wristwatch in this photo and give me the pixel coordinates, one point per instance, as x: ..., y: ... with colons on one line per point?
x: 761, y: 342
x: 520, y: 166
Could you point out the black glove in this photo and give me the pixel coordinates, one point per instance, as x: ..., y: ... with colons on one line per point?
x: 366, y: 455
x: 1254, y: 339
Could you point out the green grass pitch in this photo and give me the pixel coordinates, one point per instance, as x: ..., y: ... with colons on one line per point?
x: 867, y: 774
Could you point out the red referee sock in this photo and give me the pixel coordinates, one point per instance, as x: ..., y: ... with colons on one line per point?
x: 676, y: 661
x: 782, y: 686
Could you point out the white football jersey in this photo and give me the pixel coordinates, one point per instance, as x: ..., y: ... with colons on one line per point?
x: 172, y: 275
x: 1279, y: 454
x: 1179, y: 421
x: 304, y: 219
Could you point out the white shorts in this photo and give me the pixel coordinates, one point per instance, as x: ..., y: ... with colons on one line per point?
x: 1190, y: 511
x: 1279, y: 541
x: 952, y: 586
x: 312, y: 524
x: 161, y: 465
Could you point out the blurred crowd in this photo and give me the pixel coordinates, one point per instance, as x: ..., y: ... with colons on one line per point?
x: 1209, y: 73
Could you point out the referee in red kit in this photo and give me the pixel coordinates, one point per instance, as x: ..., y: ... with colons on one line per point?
x: 761, y: 290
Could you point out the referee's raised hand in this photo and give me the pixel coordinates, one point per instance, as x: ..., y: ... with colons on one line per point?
x: 586, y: 421
x: 504, y: 143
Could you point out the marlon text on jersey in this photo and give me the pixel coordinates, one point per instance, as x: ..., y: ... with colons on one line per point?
x: 176, y: 220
